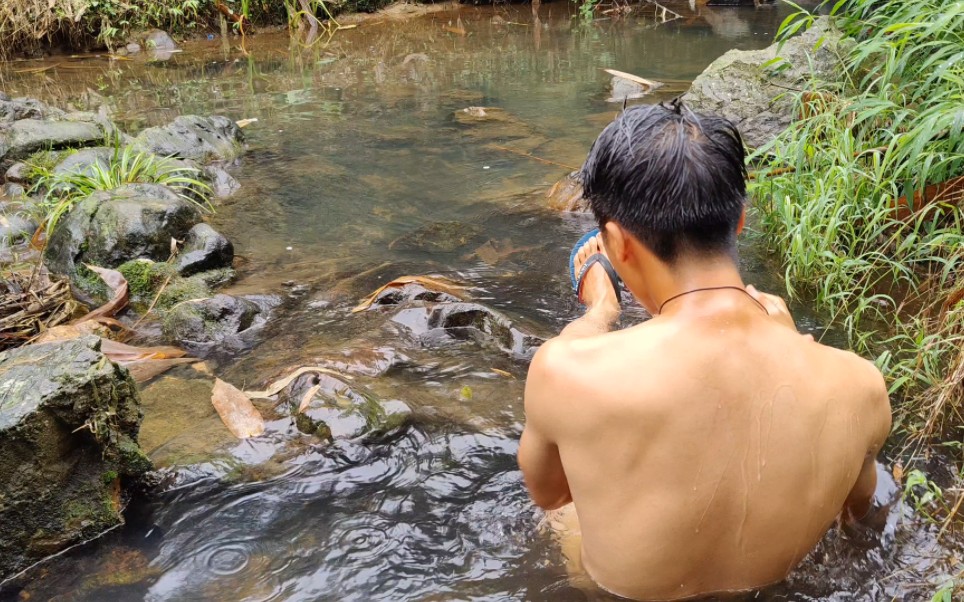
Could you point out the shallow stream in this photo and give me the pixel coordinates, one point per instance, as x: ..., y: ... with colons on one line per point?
x: 358, y: 172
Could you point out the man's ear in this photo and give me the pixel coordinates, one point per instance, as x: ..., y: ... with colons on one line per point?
x: 617, y: 246
x: 740, y: 224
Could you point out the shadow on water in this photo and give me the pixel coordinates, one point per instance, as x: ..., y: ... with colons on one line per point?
x: 359, y: 171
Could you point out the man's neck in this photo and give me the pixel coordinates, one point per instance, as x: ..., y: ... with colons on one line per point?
x: 687, y: 275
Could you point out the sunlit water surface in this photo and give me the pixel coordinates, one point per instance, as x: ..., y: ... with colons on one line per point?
x: 357, y: 172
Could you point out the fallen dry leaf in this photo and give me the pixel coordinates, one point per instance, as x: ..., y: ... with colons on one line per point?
x: 145, y: 370
x: 236, y: 410
x: 279, y: 385
x: 122, y: 353
x: 434, y: 283
x: 66, y: 332
x: 243, y: 123
x: 117, y: 283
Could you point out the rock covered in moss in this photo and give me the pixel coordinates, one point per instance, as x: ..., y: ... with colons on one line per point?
x: 204, y: 139
x: 110, y: 228
x: 749, y: 87
x: 69, y: 420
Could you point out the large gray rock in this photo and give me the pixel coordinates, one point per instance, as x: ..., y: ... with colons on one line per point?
x: 69, y: 420
x: 82, y: 162
x: 221, y: 182
x: 213, y: 138
x: 159, y: 40
x: 15, y: 228
x: 108, y: 228
x: 12, y: 109
x: 19, y: 139
x: 739, y: 87
x: 204, y: 249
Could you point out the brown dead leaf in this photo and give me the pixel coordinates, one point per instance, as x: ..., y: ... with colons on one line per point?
x: 279, y: 385
x: 236, y: 410
x: 117, y: 283
x: 145, y: 370
x: 72, y: 331
x: 122, y: 353
x: 434, y: 283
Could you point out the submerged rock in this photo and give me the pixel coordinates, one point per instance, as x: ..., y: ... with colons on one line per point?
x: 438, y: 324
x: 204, y: 249
x: 158, y: 39
x: 218, y: 324
x: 566, y: 194
x: 439, y: 237
x: 221, y: 182
x: 622, y: 89
x: 203, y: 139
x: 741, y: 87
x: 69, y: 420
x: 329, y: 408
x: 111, y: 227
x: 23, y: 137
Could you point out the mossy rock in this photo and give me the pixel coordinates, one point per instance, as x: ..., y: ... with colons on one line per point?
x: 69, y: 420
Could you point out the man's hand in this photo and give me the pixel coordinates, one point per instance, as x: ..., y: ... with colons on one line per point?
x: 775, y: 306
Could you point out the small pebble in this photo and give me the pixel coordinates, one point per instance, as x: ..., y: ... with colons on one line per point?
x: 485, y: 167
x: 289, y: 248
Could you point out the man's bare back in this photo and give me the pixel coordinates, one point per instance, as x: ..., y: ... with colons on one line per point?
x: 706, y: 450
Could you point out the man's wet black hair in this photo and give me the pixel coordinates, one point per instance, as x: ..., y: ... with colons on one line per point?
x: 673, y: 178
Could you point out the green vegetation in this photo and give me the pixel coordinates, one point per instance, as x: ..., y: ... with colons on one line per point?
x: 126, y: 165
x: 30, y: 25
x: 861, y: 199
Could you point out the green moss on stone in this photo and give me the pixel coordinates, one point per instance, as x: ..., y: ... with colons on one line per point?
x: 146, y: 277
x: 183, y: 289
x: 133, y: 461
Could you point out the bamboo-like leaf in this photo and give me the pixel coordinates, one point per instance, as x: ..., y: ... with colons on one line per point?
x: 236, y: 410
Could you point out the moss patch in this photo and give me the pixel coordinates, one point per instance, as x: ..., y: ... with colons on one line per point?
x: 146, y: 277
x: 183, y: 289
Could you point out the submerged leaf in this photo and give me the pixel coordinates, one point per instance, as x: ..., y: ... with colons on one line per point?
x: 145, y: 370
x: 122, y: 353
x: 236, y: 410
x: 279, y: 385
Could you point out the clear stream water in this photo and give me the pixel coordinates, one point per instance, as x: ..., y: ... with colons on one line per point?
x: 358, y: 172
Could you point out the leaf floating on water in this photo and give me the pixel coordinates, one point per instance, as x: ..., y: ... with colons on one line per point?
x: 503, y: 373
x: 145, y: 370
x: 236, y: 410
x: 116, y: 281
x: 634, y: 78
x: 309, y: 395
x: 279, y: 385
x: 243, y: 123
x: 434, y: 283
x: 466, y: 393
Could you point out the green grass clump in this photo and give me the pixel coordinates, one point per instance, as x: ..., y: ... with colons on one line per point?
x: 126, y: 165
x: 855, y: 199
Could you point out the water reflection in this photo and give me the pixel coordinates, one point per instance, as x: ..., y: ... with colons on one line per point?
x: 359, y: 171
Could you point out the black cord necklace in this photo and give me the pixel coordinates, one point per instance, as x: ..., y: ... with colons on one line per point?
x: 712, y: 288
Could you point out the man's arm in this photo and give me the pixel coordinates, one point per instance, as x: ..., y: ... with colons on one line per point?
x: 538, y: 455
x: 859, y: 502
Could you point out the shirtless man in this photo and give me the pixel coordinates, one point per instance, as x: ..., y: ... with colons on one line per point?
x: 710, y: 448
